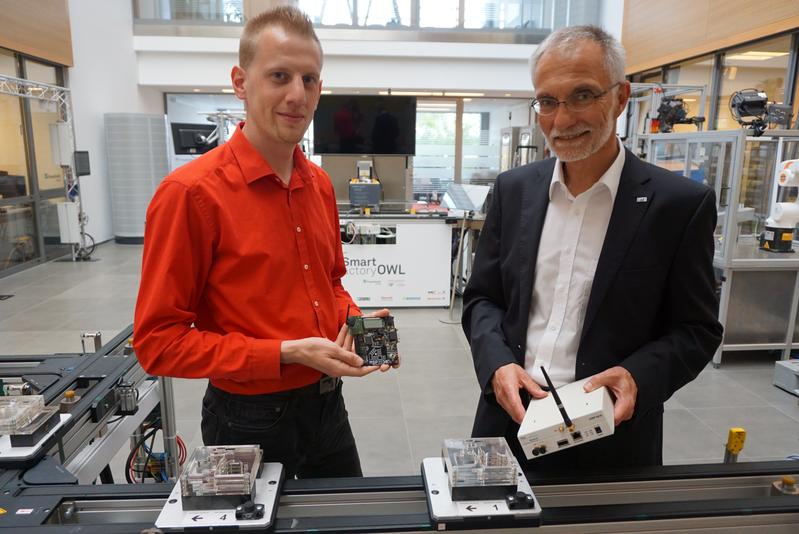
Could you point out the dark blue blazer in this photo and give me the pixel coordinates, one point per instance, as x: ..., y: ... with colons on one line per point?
x: 652, y: 309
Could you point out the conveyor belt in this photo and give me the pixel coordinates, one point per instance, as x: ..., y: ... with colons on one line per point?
x: 44, y: 497
x: 705, y: 498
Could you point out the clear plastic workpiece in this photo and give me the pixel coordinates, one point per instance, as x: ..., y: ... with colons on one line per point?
x: 17, y: 412
x: 220, y: 477
x: 480, y: 468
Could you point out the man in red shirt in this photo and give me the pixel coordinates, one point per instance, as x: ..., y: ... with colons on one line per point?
x: 242, y: 268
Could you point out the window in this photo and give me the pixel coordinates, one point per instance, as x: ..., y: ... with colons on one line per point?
x: 32, y: 138
x: 13, y: 164
x: 434, y: 162
x: 796, y: 108
x: 693, y: 72
x: 328, y: 12
x: 17, y: 235
x: 561, y: 13
x: 761, y: 66
x: 504, y: 14
x: 584, y: 12
x: 480, y: 148
x: 48, y: 137
x: 438, y: 14
x: 8, y: 65
x: 655, y: 76
x: 483, y: 122
x: 224, y: 11
x: 386, y: 13
x: 39, y: 72
x: 196, y: 108
x: 18, y: 242
x: 50, y: 229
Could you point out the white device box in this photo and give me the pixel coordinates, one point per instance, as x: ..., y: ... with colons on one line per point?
x: 543, y: 430
x: 786, y: 376
x: 68, y: 223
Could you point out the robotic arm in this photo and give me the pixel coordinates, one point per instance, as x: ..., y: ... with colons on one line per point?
x: 672, y: 111
x: 778, y: 236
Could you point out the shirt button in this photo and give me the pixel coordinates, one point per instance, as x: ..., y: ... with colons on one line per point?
x: 306, y: 266
x: 316, y: 303
x: 553, y: 328
x: 299, y: 229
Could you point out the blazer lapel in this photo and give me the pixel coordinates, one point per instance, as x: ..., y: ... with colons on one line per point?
x: 632, y: 200
x: 535, y: 200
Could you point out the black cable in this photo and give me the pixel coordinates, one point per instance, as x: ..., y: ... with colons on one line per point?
x: 149, y: 456
x: 150, y: 433
x: 92, y: 246
x: 150, y: 430
x: 129, y: 459
x: 145, y: 470
x: 374, y: 168
x: 85, y: 253
x: 147, y: 435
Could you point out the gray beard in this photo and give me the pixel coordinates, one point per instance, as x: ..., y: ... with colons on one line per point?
x: 588, y: 149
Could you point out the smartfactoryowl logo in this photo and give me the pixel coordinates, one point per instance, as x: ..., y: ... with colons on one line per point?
x: 370, y: 267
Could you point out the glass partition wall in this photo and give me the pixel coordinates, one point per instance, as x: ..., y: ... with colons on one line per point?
x: 494, y: 15
x: 31, y: 173
x: 475, y: 123
x: 440, y: 122
x: 762, y: 66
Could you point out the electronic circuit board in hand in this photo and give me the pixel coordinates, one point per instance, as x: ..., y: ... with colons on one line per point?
x: 375, y: 339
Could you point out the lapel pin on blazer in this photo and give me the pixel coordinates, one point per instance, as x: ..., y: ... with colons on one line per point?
x: 641, y: 199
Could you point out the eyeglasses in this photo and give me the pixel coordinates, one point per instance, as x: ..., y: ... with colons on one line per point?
x: 577, y: 101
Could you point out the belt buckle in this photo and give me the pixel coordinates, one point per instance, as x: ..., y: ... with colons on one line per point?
x: 328, y: 384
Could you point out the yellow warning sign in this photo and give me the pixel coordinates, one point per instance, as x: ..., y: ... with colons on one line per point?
x: 765, y: 245
x: 787, y: 236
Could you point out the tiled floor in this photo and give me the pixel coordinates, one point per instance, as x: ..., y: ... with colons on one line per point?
x: 401, y: 416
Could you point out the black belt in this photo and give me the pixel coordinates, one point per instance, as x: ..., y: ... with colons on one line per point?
x: 328, y: 384
x: 325, y: 385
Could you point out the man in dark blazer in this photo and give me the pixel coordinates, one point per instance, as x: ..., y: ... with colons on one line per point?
x: 595, y: 264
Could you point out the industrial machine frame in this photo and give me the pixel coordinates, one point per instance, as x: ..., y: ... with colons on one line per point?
x: 653, y: 94
x: 759, y: 294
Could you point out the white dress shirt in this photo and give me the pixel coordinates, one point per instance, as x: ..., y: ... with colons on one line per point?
x: 571, y: 241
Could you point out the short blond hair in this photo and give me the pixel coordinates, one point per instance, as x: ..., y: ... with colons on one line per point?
x: 291, y: 19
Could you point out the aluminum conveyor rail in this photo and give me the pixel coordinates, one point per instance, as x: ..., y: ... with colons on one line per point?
x: 703, y: 498
x: 86, y: 442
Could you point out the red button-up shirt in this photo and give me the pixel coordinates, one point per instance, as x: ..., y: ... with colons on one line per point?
x: 248, y: 261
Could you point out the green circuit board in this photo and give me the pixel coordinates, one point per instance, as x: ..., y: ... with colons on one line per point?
x: 375, y: 339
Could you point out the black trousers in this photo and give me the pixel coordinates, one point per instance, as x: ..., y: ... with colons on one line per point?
x: 305, y: 429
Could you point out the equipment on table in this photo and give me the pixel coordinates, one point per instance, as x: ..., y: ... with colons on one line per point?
x: 778, y: 235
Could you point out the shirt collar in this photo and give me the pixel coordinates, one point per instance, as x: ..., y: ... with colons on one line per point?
x: 253, y: 165
x: 610, y: 179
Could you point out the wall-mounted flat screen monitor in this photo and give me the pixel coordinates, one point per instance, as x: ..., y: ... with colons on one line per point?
x: 365, y: 124
x: 82, y: 166
x: 192, y: 138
